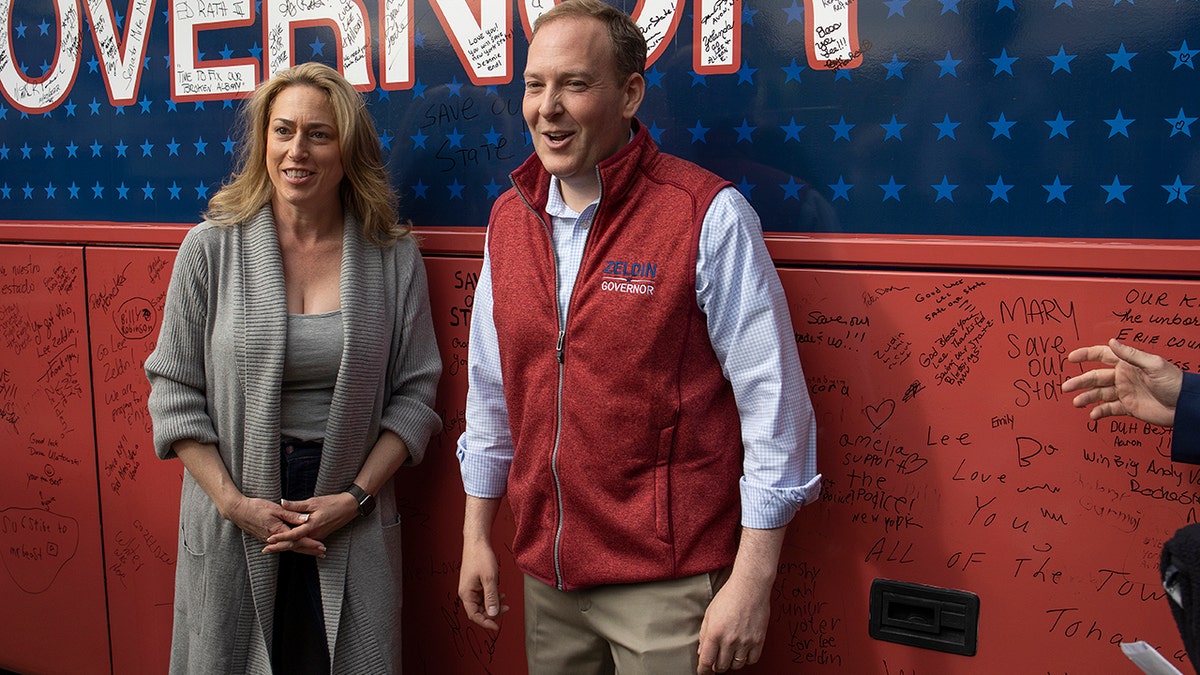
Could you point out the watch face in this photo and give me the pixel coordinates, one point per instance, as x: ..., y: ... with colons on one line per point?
x: 367, y: 505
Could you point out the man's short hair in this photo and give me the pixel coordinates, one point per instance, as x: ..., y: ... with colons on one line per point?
x: 629, y: 45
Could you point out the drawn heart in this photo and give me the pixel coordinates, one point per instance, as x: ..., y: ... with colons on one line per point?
x: 880, y: 414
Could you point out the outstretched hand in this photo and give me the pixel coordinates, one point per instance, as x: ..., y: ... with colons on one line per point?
x: 1135, y: 383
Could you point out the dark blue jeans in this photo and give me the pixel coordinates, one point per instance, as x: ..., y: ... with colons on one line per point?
x: 299, y: 644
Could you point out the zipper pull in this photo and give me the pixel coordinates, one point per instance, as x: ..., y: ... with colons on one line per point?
x: 558, y: 352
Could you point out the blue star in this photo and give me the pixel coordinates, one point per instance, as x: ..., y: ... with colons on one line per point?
x: 655, y: 132
x: 791, y: 189
x: 654, y: 78
x: 201, y: 191
x: 74, y: 190
x: 748, y: 15
x: 1177, y: 190
x: 698, y: 133
x: 147, y: 148
x: 946, y: 128
x: 1002, y: 4
x: 1181, y: 124
x: 492, y: 136
x: 173, y: 148
x: 119, y: 110
x: 418, y: 89
x: 122, y: 191
x: 949, y: 65
x: 1058, y: 126
x: 385, y: 140
x: 493, y: 90
x: 892, y: 129
x: 455, y: 138
x: 891, y: 189
x: 1061, y: 60
x: 147, y: 191
x: 3, y: 151
x: 97, y: 191
x: 792, y: 71
x: 419, y: 139
x: 1119, y: 125
x: 198, y: 105
x: 746, y: 73
x: 841, y: 129
x: 121, y: 147
x: 318, y: 47
x: 145, y: 104
x: 174, y: 189
x: 28, y: 190
x: 5, y: 191
x: 227, y: 146
x: 1121, y: 58
x: 21, y: 28
x: 71, y: 148
x: 945, y: 190
x: 419, y: 189
x: 43, y: 28
x: 493, y: 188
x: 256, y: 51
x: 1001, y: 127
x: 456, y: 189
x: 746, y: 187
x: 455, y: 88
x: 698, y: 79
x: 1184, y: 56
x: 94, y: 106
x: 999, y: 190
x: 744, y: 131
x: 895, y: 67
x: 1116, y: 190
x: 227, y: 53
x: 201, y: 146
x: 49, y: 150
x: 384, y: 95
x: 70, y: 107
x: 949, y: 6
x: 120, y: 20
x: 794, y: 13
x: 1004, y: 63
x: 50, y: 190
x: 841, y: 189
x: 791, y: 130
x: 419, y: 39
x: 1068, y: 3
x: 895, y: 7
x: 96, y: 147
x: 171, y: 107
x: 25, y: 150
x: 842, y: 74
x: 1056, y: 190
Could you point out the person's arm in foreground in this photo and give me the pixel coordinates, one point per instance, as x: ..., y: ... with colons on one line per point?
x: 751, y: 331
x: 485, y: 453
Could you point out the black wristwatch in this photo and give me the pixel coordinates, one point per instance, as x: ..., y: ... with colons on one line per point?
x: 366, y: 502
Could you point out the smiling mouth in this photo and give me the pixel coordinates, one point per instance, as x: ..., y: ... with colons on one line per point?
x: 297, y: 173
x: 557, y: 137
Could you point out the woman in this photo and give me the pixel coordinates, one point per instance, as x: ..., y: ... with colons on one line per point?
x: 296, y: 358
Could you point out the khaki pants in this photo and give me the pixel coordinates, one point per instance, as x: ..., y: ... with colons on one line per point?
x: 649, y: 628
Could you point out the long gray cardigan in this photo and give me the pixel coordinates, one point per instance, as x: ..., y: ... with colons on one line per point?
x: 215, y: 377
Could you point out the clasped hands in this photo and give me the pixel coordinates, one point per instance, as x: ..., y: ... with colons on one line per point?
x: 297, y: 526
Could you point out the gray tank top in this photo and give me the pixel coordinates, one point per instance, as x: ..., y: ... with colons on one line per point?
x: 310, y: 369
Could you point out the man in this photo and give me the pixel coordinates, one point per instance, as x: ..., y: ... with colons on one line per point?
x: 1141, y: 385
x: 634, y: 384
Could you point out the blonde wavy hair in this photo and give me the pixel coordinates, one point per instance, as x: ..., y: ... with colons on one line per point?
x: 366, y: 188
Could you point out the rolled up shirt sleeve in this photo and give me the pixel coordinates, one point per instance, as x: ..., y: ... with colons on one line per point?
x: 485, y: 448
x: 751, y: 331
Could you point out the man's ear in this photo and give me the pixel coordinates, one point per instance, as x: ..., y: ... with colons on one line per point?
x: 635, y: 91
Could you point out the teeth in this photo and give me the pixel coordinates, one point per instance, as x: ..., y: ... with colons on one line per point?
x: 296, y: 173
